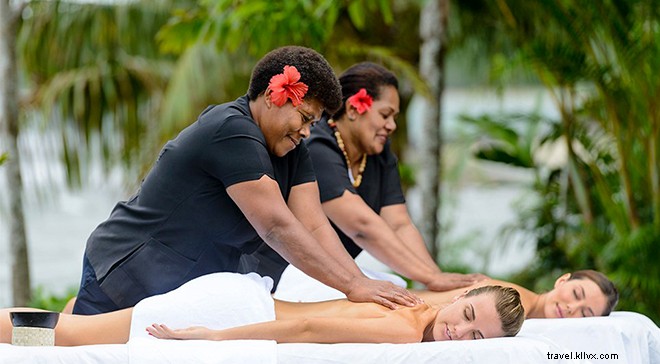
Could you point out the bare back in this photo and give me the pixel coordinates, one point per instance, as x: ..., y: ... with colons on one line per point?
x: 404, y: 322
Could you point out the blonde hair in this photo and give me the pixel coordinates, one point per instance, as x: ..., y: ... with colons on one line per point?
x: 508, y: 306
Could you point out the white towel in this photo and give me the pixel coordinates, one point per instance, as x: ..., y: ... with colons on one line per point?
x: 216, y: 301
x: 296, y: 286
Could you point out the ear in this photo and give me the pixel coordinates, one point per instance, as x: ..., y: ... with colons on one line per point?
x: 351, y: 111
x: 267, y: 99
x: 562, y: 279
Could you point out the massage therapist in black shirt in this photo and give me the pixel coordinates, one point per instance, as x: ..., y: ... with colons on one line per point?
x: 235, y: 178
x: 359, y: 182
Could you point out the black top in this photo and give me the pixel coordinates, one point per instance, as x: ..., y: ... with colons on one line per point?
x: 381, y: 186
x: 181, y: 223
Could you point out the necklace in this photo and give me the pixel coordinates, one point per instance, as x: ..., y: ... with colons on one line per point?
x: 363, y: 164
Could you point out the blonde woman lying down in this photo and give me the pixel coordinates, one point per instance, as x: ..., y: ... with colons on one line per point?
x: 485, y: 312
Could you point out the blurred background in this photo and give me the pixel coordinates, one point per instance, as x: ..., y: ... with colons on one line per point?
x: 528, y: 137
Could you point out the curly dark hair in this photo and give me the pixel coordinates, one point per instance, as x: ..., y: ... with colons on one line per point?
x: 314, y: 70
x: 367, y: 75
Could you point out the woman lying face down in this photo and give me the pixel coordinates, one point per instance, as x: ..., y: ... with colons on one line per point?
x: 484, y: 312
x: 584, y: 293
x: 481, y: 313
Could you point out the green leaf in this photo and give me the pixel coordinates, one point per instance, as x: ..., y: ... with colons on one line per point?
x: 357, y: 14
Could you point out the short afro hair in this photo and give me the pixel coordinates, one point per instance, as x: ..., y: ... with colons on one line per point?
x: 314, y: 70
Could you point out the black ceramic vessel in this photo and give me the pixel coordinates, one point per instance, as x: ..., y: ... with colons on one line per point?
x: 46, y: 320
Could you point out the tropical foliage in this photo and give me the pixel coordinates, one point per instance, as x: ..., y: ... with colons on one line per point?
x: 98, y: 83
x: 345, y: 32
x: 601, y: 208
x: 114, y: 94
x: 117, y: 80
x: 46, y: 301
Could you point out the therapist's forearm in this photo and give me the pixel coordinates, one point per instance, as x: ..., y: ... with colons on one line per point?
x: 381, y: 242
x: 304, y: 251
x: 283, y: 227
x: 329, y: 240
x: 411, y: 236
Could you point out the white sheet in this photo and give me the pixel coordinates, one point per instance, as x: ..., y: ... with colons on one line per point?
x: 217, y: 301
x: 500, y: 350
x: 147, y: 351
x: 93, y: 354
x: 631, y: 336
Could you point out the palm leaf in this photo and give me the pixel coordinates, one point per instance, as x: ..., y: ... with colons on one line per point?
x: 91, y: 72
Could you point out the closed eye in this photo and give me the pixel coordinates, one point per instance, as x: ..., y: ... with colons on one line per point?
x: 307, y: 118
x: 388, y: 115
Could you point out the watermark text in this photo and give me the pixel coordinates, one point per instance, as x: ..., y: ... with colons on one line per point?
x: 582, y: 355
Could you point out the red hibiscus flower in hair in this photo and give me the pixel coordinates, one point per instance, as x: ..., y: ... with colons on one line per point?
x: 361, y: 101
x: 285, y: 86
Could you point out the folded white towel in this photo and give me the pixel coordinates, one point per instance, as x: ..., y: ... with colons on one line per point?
x: 216, y: 301
x: 296, y: 286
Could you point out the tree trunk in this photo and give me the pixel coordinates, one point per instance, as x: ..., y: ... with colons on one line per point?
x: 9, y: 135
x: 432, y: 30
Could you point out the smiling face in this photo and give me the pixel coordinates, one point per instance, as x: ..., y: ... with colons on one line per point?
x: 373, y: 127
x: 469, y: 318
x: 574, y: 298
x: 285, y: 127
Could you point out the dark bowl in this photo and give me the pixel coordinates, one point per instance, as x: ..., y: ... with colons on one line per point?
x: 46, y: 320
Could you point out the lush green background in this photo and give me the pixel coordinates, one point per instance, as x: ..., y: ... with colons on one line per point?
x: 131, y: 76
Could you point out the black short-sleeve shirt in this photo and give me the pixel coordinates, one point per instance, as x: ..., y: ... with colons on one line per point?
x: 182, y: 223
x: 381, y: 186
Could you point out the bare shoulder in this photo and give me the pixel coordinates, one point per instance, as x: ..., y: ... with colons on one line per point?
x: 494, y: 282
x: 417, y: 317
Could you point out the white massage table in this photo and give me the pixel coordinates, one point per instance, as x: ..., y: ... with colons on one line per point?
x: 632, y: 337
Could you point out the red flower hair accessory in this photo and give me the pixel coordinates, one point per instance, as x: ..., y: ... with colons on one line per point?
x: 285, y: 86
x: 361, y: 101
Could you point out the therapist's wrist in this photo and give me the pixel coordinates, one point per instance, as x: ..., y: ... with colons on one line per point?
x: 430, y: 277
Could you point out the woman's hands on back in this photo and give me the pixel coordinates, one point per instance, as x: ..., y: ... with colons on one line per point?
x: 385, y: 293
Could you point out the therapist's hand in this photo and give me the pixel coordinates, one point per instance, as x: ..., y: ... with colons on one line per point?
x: 385, y: 293
x: 448, y: 281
